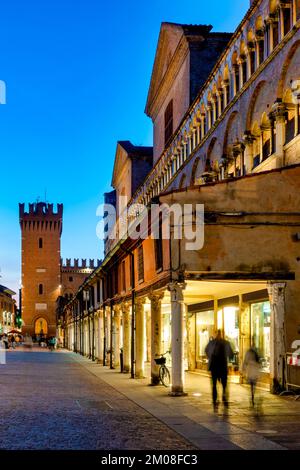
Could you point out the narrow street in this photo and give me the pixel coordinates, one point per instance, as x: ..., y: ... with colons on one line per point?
x: 49, y: 401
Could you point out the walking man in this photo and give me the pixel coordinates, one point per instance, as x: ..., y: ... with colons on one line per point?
x: 218, y: 352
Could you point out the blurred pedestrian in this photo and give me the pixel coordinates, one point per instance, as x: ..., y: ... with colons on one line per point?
x: 13, y: 341
x: 218, y: 352
x: 251, y: 369
x: 5, y: 341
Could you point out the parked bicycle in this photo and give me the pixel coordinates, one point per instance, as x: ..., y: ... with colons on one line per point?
x: 164, y: 373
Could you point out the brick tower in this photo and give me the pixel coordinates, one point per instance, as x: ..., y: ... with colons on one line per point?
x: 41, y: 275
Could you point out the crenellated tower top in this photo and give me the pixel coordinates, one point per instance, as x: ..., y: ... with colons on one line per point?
x: 41, y: 216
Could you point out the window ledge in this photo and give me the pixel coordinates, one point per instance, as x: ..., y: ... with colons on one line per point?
x: 266, y: 164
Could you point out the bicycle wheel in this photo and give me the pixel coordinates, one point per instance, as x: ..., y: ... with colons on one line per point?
x: 164, y: 376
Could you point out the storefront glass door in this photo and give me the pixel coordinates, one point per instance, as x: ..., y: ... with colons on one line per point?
x: 260, y: 332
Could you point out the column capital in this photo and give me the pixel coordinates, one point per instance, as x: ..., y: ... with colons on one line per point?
x: 125, y: 307
x: 248, y: 138
x: 238, y: 148
x: 140, y: 301
x: 279, y: 110
x: 116, y: 309
x: 176, y: 289
x: 276, y: 290
x: 296, y: 91
x: 155, y: 297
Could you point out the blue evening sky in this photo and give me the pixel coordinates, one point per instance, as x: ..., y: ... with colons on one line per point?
x: 77, y: 74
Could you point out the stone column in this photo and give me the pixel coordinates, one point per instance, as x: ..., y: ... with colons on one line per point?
x: 148, y: 335
x: 100, y: 336
x: 139, y: 338
x: 296, y: 99
x: 277, y: 334
x: 202, y: 126
x: 177, y: 348
x: 225, y: 86
x: 116, y: 336
x: 278, y: 110
x: 245, y: 340
x: 248, y: 154
x: 198, y: 132
x: 126, y: 337
x: 107, y: 336
x: 191, y: 332
x: 155, y: 335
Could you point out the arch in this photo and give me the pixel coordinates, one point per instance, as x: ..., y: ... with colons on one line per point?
x: 232, y: 132
x: 290, y: 129
x: 41, y: 326
x: 194, y: 171
x: 252, y: 103
x: 208, y: 163
x: 285, y: 68
x: 182, y: 182
x: 266, y: 136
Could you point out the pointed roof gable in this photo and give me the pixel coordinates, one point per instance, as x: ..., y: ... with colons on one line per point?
x: 170, y: 38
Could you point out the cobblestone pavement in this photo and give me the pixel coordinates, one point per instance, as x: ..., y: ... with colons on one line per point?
x: 49, y: 401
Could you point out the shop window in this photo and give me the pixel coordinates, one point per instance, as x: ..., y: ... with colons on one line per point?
x: 260, y: 332
x: 168, y: 122
x: 228, y: 321
x: 204, y: 332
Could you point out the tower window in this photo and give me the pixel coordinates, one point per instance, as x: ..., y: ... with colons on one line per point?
x: 40, y: 243
x: 41, y: 289
x: 71, y: 279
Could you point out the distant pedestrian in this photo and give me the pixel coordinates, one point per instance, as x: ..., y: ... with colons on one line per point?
x: 13, y: 341
x: 218, y: 352
x: 5, y: 341
x: 251, y: 369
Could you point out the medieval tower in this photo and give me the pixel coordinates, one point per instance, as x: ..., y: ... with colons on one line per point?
x: 41, y: 230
